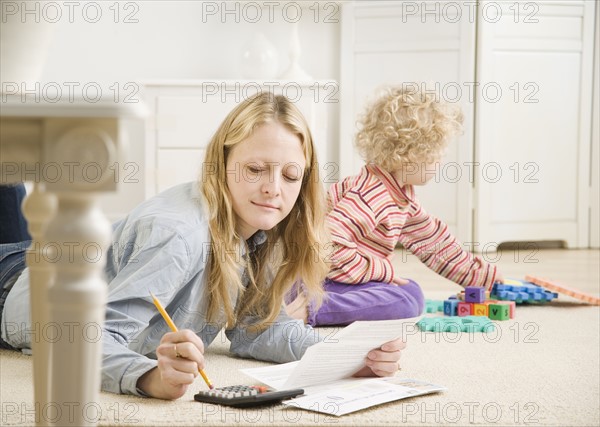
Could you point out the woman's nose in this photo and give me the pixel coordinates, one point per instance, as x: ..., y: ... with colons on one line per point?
x: 272, y: 185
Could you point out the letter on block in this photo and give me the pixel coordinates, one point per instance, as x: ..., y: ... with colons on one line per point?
x: 499, y: 311
x: 512, y: 307
x: 473, y: 294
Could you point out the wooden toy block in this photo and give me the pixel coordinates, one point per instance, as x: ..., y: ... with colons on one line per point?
x: 560, y: 288
x: 450, y: 307
x: 464, y: 309
x: 473, y: 294
x: 480, y: 309
x: 499, y: 311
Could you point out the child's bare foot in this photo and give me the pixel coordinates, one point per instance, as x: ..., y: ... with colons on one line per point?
x: 298, y: 309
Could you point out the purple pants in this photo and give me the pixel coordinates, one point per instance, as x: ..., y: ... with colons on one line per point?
x: 345, y: 303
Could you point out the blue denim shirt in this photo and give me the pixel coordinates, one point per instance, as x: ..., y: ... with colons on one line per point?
x: 162, y: 247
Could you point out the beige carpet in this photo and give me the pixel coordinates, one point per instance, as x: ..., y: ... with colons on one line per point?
x: 542, y: 368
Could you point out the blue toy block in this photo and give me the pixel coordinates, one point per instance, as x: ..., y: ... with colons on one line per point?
x: 474, y: 294
x: 456, y: 324
x: 521, y: 291
x: 450, y: 307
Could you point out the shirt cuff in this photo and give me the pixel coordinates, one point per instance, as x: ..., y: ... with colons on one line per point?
x: 132, y: 374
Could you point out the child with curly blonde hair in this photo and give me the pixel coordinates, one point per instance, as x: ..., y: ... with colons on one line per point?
x: 402, y: 136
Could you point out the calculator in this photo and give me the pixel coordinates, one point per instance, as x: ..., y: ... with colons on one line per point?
x: 242, y: 396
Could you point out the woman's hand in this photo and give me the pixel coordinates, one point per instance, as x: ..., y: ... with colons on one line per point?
x: 180, y: 355
x: 384, y: 361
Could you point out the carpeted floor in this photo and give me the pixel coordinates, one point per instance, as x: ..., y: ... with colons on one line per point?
x: 542, y: 368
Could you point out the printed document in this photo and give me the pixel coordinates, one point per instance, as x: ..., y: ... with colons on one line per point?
x: 325, y: 371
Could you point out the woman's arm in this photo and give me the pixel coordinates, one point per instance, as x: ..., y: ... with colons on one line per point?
x: 154, y: 259
x: 285, y: 340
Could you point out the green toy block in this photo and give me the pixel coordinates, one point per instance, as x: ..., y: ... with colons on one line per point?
x: 499, y: 311
x: 433, y: 306
x: 456, y: 324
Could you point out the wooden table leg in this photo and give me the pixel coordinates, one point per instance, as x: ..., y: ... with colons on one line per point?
x: 39, y: 208
x: 77, y: 301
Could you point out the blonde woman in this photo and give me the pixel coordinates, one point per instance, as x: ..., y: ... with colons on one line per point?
x: 218, y: 253
x: 402, y: 136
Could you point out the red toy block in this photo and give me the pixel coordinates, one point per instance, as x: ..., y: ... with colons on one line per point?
x: 465, y: 309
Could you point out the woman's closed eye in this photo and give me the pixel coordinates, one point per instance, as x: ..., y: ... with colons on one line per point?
x: 291, y: 178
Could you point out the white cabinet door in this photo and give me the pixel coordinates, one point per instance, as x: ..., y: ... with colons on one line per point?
x: 395, y: 43
x: 533, y: 122
x: 595, y: 162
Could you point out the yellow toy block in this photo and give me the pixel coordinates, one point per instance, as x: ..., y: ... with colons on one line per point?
x: 480, y: 309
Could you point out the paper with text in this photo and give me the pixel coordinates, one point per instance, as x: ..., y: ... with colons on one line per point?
x: 344, y: 354
x: 325, y: 371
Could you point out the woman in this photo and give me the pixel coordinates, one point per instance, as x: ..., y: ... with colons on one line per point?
x: 221, y: 252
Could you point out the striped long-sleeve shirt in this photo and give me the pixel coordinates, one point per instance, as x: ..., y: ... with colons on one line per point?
x: 370, y: 212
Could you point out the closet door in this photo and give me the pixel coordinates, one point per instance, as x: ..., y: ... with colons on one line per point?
x: 431, y: 45
x: 595, y: 162
x: 533, y: 121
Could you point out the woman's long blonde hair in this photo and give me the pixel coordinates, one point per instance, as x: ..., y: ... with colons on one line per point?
x: 294, y: 248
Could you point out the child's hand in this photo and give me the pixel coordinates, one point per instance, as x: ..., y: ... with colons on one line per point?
x: 499, y: 278
x: 298, y: 309
x: 399, y: 281
x: 384, y: 361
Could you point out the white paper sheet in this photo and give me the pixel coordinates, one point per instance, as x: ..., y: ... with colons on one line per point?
x: 343, y: 355
x: 325, y: 371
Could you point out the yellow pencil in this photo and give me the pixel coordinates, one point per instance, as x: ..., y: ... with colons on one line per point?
x: 167, y: 318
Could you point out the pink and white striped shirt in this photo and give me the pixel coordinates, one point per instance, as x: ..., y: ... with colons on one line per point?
x: 370, y: 212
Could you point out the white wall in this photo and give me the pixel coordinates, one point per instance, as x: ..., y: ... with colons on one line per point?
x: 175, y: 40
x: 170, y: 40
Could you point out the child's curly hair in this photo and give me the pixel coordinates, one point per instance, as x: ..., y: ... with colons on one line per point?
x: 405, y: 125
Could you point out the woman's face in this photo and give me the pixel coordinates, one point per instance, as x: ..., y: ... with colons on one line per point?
x: 264, y: 176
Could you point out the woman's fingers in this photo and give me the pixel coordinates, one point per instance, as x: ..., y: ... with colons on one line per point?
x: 394, y: 345
x: 180, y: 356
x: 386, y: 360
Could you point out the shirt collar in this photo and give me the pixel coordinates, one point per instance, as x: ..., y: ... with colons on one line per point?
x: 254, y: 241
